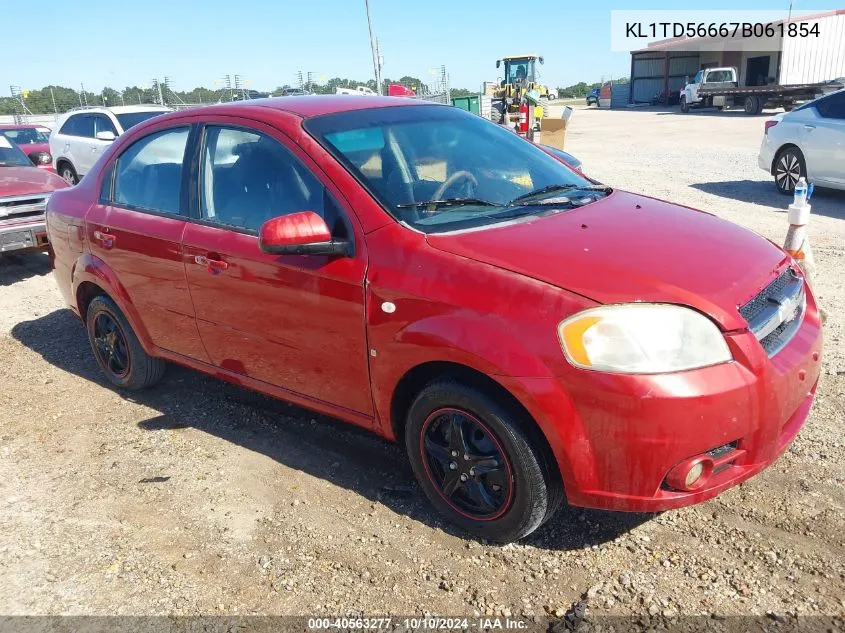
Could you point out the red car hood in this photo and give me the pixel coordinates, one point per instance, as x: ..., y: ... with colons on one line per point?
x: 28, y: 148
x: 631, y: 248
x: 21, y: 181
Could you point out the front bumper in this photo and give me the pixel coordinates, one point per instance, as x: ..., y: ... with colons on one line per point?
x: 20, y: 236
x: 617, y: 437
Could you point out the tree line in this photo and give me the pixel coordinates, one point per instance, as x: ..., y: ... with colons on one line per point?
x: 58, y: 99
x: 581, y: 89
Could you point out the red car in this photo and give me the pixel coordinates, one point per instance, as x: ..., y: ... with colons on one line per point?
x: 33, y: 140
x: 423, y: 273
x: 24, y: 191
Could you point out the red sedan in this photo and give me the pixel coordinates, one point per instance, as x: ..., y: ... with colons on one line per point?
x: 33, y: 140
x: 413, y: 269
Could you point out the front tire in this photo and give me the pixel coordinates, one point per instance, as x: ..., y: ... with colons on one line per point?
x: 789, y: 166
x: 476, y: 465
x: 117, y: 349
x: 684, y: 105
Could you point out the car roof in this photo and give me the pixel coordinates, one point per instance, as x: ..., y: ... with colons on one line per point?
x: 22, y: 126
x: 308, y: 106
x: 123, y: 109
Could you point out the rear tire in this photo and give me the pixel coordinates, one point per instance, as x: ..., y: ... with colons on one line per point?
x: 788, y: 167
x: 753, y: 105
x: 476, y: 465
x: 68, y: 173
x: 117, y: 349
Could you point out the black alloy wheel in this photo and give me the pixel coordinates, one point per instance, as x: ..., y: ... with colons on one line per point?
x: 467, y: 464
x: 110, y: 345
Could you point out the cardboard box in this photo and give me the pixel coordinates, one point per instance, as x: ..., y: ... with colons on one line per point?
x: 554, y: 132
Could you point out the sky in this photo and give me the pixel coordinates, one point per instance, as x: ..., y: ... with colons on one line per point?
x: 195, y: 43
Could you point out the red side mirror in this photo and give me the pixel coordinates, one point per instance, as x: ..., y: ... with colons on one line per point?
x: 301, y: 233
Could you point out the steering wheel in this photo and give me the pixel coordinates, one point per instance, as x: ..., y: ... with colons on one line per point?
x: 451, y: 180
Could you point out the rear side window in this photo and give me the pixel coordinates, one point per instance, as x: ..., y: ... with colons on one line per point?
x: 79, y: 125
x: 249, y: 178
x: 149, y: 173
x: 832, y: 107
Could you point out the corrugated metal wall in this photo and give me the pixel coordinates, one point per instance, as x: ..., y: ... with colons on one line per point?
x: 648, y: 68
x: 680, y: 66
x: 811, y: 59
x: 620, y: 95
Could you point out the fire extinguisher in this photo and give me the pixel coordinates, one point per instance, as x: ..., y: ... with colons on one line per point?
x: 523, y: 118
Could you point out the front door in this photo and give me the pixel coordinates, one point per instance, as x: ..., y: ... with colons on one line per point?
x: 136, y: 230
x: 295, y: 322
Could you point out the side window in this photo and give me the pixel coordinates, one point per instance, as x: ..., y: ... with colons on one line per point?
x: 248, y: 178
x: 832, y: 106
x: 71, y: 125
x: 103, y: 124
x: 85, y: 126
x: 105, y: 185
x: 149, y: 174
x: 698, y: 76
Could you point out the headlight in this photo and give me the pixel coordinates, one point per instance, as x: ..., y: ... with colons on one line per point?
x: 642, y: 338
x: 45, y: 158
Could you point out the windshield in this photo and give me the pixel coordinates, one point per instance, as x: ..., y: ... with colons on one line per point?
x: 519, y: 70
x: 27, y: 136
x: 128, y: 119
x: 11, y: 155
x: 438, y: 168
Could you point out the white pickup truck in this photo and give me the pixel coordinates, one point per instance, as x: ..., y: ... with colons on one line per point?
x: 719, y: 88
x: 360, y: 90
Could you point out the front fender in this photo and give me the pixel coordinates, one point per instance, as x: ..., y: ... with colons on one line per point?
x: 479, y: 342
x: 90, y: 268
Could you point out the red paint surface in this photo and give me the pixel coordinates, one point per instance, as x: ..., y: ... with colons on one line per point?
x: 302, y: 327
x: 22, y: 181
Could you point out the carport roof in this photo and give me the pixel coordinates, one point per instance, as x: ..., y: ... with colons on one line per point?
x: 680, y: 43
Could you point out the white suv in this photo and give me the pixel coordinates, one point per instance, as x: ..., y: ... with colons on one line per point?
x: 81, y: 135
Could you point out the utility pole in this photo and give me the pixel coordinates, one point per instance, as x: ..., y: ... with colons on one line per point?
x: 374, y: 49
x: 53, y: 97
x: 84, y: 96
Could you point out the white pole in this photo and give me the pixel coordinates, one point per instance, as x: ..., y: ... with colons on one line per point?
x: 373, y: 49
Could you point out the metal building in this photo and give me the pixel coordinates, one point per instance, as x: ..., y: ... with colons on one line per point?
x: 663, y: 66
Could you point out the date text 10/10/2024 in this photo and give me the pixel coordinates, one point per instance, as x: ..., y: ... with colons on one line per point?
x: 418, y: 623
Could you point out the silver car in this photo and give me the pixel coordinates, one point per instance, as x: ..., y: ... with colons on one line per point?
x: 808, y: 142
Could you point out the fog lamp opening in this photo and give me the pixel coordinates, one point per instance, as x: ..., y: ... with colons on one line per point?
x: 691, y: 474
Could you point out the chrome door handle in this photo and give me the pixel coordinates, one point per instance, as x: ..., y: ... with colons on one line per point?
x: 105, y: 238
x: 213, y: 266
x: 807, y: 126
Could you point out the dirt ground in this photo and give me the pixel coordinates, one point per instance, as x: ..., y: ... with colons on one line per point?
x: 198, y: 497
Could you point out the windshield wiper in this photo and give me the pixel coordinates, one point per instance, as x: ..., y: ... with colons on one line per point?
x: 449, y: 202
x: 527, y: 198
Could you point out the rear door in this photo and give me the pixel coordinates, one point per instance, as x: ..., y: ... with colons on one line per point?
x: 80, y: 143
x: 823, y: 140
x: 295, y: 322
x: 136, y: 229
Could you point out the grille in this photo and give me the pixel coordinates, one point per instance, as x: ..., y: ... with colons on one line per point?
x: 22, y: 206
x: 722, y: 450
x: 776, y: 313
x: 754, y: 307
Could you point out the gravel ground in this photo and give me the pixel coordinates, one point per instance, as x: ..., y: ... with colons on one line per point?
x: 201, y: 498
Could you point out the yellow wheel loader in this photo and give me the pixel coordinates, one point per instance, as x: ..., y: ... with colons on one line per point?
x: 520, y: 77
